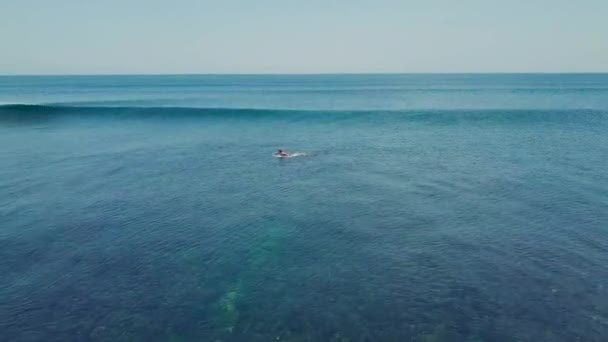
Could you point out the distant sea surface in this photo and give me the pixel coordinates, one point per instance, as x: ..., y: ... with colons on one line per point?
x: 425, y: 208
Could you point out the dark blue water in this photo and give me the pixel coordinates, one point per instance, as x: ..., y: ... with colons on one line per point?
x: 427, y: 208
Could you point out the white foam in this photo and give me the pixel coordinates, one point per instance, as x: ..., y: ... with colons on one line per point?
x: 291, y: 155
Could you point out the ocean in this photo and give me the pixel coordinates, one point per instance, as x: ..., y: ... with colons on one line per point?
x: 424, y: 208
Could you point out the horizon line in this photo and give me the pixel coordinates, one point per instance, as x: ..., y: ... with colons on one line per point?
x: 317, y: 73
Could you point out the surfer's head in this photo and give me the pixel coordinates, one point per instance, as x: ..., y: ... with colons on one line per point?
x: 280, y: 151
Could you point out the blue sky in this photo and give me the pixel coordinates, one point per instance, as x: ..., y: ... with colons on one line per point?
x: 306, y: 36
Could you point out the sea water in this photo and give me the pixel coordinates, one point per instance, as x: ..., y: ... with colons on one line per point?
x: 425, y: 208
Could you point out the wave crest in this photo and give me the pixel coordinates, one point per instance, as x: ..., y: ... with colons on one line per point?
x: 439, y: 116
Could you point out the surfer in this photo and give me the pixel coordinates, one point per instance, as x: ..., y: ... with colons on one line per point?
x: 280, y: 153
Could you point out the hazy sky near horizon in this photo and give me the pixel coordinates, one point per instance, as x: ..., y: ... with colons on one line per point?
x: 305, y: 36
